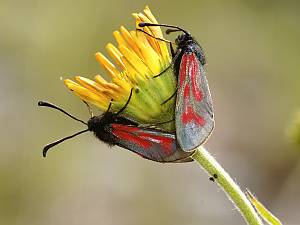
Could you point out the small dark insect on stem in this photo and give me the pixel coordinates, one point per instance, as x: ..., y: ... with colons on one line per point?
x: 215, y: 176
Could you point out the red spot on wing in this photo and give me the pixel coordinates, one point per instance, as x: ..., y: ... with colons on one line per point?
x: 125, y: 128
x: 132, y: 138
x: 142, y: 138
x: 190, y: 63
x: 194, y: 70
x: 164, y: 142
x: 190, y: 67
x: 186, y: 93
x: 189, y: 115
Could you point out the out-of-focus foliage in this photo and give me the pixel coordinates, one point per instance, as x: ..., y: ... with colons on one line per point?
x: 253, y: 55
x: 294, y: 129
x: 262, y: 210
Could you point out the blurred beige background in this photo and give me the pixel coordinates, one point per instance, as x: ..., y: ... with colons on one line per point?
x: 253, y: 53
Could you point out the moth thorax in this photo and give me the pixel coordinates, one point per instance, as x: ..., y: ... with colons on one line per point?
x: 101, y: 129
x: 183, y: 40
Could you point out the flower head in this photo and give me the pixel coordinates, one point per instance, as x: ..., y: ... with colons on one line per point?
x: 139, y: 59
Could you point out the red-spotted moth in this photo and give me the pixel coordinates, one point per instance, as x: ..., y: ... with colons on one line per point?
x: 114, y: 129
x: 194, y: 115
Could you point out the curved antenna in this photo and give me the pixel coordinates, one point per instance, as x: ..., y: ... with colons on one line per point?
x: 175, y: 28
x: 150, y: 35
x: 126, y: 104
x: 168, y: 31
x: 50, y: 105
x: 48, y: 146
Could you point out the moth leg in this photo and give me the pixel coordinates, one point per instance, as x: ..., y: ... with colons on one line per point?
x: 173, y: 53
x: 161, y: 73
x: 126, y: 104
x: 156, y: 124
x: 168, y: 99
x: 109, y: 106
x: 150, y: 35
x: 89, y: 108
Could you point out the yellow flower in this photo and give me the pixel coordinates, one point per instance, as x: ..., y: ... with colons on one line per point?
x: 139, y: 58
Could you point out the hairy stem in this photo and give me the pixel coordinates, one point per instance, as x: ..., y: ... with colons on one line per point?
x: 223, y: 179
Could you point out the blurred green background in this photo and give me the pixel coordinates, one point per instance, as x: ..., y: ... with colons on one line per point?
x: 253, y: 54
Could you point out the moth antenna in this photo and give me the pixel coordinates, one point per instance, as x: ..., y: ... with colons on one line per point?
x: 50, y: 105
x: 174, y: 28
x: 126, y: 104
x: 48, y: 146
x: 168, y: 31
x: 150, y: 35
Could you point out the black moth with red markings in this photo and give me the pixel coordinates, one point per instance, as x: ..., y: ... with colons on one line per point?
x: 194, y: 117
x: 113, y: 129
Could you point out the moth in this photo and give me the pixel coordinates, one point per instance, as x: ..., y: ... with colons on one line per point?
x: 194, y: 117
x: 114, y: 129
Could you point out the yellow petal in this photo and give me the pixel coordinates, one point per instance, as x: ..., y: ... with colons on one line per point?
x: 106, y: 84
x: 87, y: 95
x: 135, y: 61
x: 110, y: 68
x: 149, y: 14
x: 119, y: 38
x: 132, y: 75
x: 127, y: 36
x: 156, y: 31
x: 95, y: 87
x: 112, y: 88
x: 150, y: 56
x: 123, y: 84
x: 115, y: 54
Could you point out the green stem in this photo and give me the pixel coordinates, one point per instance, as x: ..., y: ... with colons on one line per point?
x: 223, y: 179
